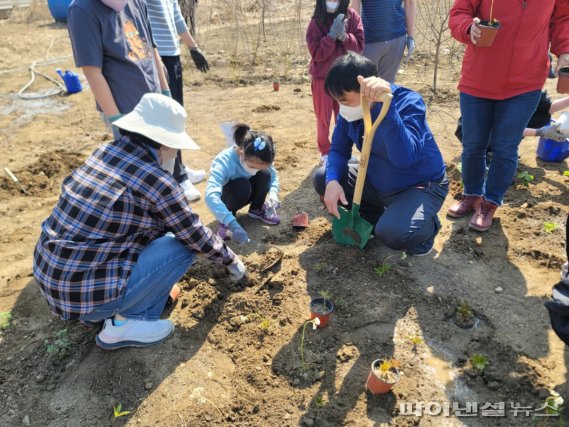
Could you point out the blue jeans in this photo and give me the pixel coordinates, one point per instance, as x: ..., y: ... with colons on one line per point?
x: 403, y: 220
x: 160, y: 265
x: 499, y: 124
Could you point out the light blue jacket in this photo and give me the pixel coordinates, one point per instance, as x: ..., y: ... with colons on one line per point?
x: 227, y: 167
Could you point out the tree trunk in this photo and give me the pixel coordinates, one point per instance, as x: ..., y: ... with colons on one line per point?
x: 188, y: 8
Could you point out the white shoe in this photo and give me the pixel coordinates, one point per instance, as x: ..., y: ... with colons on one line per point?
x: 191, y: 192
x: 195, y: 176
x: 324, y: 160
x: 134, y: 333
x: 353, y: 160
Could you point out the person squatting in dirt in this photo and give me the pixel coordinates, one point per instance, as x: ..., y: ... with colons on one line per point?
x: 333, y: 30
x: 406, y: 182
x: 243, y: 175
x: 112, y: 41
x: 122, y: 233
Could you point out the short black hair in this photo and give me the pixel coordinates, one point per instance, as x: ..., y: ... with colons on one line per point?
x: 343, y: 75
x: 140, y: 139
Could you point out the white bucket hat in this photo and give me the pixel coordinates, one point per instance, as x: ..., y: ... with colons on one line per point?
x: 161, y: 119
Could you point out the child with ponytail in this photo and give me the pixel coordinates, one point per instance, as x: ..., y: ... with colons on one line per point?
x: 244, y: 175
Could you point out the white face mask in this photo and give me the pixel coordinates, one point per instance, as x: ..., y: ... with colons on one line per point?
x: 331, y: 6
x: 351, y: 114
x: 116, y: 5
x: 168, y: 159
x: 251, y: 171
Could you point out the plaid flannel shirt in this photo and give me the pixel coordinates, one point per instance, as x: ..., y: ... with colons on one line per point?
x: 110, y: 209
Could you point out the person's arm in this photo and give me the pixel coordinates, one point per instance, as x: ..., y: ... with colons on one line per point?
x: 274, y: 182
x: 530, y: 132
x: 214, y: 189
x: 357, y: 6
x: 354, y: 40
x: 340, y: 153
x: 188, y: 40
x: 559, y: 105
x: 559, y: 33
x: 461, y: 19
x: 101, y: 90
x: 410, y: 16
x: 320, y: 46
x: 160, y: 68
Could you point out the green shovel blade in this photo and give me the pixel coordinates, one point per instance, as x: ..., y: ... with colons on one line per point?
x: 351, y: 229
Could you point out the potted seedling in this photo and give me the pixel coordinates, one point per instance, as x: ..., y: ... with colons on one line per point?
x: 464, y: 316
x: 276, y: 85
x: 383, y: 376
x: 489, y: 29
x: 563, y: 80
x: 321, y: 308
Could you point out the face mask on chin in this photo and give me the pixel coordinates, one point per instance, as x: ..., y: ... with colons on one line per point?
x: 332, y: 7
x: 351, y: 114
x: 116, y: 5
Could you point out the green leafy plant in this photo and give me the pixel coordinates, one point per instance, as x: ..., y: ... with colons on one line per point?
x: 553, y: 404
x: 565, y: 173
x: 416, y: 340
x: 5, y: 317
x: 526, y: 178
x: 549, y: 226
x: 118, y: 412
x: 465, y: 311
x: 383, y: 269
x: 319, y: 267
x: 479, y: 361
x: 325, y: 294
x: 265, y: 324
x: 60, y: 346
x: 314, y: 322
x: 386, y: 367
x: 319, y: 400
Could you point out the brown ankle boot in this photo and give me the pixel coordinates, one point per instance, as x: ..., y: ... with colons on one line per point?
x: 465, y: 206
x: 482, y: 218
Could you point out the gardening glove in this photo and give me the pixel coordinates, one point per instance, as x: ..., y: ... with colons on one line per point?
x: 565, y: 273
x: 167, y: 92
x: 199, y: 59
x: 114, y: 117
x: 237, y: 269
x: 410, y: 42
x: 238, y: 234
x: 272, y: 201
x: 551, y: 132
x: 337, y: 27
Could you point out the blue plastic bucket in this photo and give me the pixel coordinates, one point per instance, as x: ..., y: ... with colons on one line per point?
x: 552, y: 151
x: 71, y: 80
x: 58, y: 9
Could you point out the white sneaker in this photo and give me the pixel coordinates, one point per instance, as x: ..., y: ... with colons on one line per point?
x: 195, y: 176
x: 324, y: 160
x: 191, y: 192
x: 134, y: 333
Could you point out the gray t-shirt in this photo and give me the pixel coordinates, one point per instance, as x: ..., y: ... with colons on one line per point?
x: 120, y: 43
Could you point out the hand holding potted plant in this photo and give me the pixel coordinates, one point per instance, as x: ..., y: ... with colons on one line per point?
x: 488, y: 29
x: 383, y: 376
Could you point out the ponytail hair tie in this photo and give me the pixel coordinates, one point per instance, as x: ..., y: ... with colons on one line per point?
x: 259, y: 144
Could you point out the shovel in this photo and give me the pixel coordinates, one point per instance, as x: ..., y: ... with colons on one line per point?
x: 351, y: 229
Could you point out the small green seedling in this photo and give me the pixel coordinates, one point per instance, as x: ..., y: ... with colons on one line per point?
x: 479, y: 361
x: 565, y: 173
x: 119, y: 412
x: 319, y: 267
x: 553, y: 404
x: 325, y: 294
x: 265, y: 324
x: 5, y: 317
x: 465, y: 311
x: 383, y: 269
x: 526, y: 178
x: 315, y: 323
x: 416, y: 340
x: 549, y: 227
x: 60, y: 346
x: 319, y: 400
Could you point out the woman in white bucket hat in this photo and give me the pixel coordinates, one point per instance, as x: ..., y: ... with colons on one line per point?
x: 122, y: 233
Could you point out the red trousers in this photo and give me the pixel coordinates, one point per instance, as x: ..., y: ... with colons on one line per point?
x: 323, y: 108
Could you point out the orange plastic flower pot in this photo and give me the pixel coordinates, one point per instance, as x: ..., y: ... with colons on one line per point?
x: 375, y: 384
x: 489, y: 32
x: 563, y: 80
x: 321, y: 308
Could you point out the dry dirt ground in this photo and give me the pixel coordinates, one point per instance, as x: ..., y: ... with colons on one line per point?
x: 234, y: 359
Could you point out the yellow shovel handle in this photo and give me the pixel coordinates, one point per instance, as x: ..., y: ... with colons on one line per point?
x: 369, y: 132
